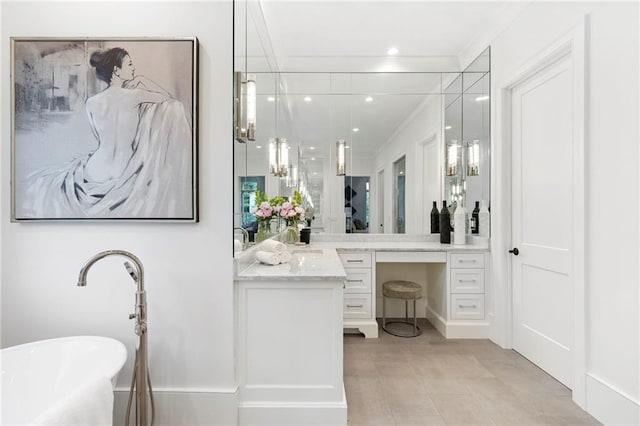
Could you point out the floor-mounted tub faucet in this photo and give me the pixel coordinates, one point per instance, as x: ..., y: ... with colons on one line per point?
x: 245, y: 236
x: 140, y: 380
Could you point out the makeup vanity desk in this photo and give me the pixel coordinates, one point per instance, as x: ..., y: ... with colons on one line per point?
x: 455, y: 279
x: 290, y: 318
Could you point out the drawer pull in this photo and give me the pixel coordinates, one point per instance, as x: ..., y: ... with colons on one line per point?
x: 467, y: 306
x: 467, y: 261
x: 354, y: 281
x: 355, y: 306
x: 355, y: 260
x: 466, y: 281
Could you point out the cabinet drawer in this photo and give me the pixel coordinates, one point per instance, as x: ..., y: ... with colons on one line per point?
x: 467, y: 306
x: 467, y: 280
x: 358, y: 280
x: 356, y: 306
x: 467, y: 260
x: 356, y: 259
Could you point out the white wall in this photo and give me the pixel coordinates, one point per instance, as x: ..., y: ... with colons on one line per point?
x: 611, y: 235
x: 418, y: 128
x: 188, y: 267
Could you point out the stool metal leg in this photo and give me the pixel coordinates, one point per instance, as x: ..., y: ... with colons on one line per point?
x: 414, y: 316
x: 384, y: 316
x: 406, y: 310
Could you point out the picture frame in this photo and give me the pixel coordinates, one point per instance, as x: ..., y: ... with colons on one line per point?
x: 104, y: 129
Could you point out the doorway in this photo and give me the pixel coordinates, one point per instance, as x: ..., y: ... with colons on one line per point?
x: 543, y: 136
x: 356, y: 204
x: 399, y: 190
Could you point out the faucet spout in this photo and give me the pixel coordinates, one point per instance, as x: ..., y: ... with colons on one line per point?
x: 245, y: 236
x: 137, y: 274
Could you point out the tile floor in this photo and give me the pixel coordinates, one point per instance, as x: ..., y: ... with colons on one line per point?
x: 429, y: 380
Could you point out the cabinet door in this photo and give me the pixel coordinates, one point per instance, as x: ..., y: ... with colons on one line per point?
x: 358, y: 280
x: 467, y: 306
x: 356, y: 260
x: 357, y: 306
x: 467, y: 260
x: 467, y: 280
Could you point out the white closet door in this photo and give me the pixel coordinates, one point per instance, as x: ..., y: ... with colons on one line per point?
x: 542, y: 132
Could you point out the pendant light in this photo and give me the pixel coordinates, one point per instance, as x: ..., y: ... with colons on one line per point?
x: 341, y: 158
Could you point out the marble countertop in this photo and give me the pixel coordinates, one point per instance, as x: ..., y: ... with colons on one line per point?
x: 306, y: 264
x: 398, y: 246
x: 320, y: 261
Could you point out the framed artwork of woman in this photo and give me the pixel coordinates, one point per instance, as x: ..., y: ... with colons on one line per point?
x: 104, y: 129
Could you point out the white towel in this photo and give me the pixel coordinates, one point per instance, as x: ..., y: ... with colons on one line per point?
x: 273, y: 246
x: 268, y: 257
x: 89, y: 405
x: 284, y: 257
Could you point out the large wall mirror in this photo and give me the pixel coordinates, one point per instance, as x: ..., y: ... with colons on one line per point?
x: 394, y: 132
x: 467, y: 135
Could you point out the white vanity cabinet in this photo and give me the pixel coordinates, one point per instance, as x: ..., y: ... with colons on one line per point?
x: 467, y: 277
x: 359, y: 298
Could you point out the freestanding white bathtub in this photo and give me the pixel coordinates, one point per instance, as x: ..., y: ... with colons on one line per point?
x: 36, y: 376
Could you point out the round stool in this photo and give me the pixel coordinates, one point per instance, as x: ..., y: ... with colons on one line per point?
x: 406, y: 290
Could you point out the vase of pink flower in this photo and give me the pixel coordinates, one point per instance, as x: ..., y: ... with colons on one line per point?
x: 292, y: 213
x: 264, y: 213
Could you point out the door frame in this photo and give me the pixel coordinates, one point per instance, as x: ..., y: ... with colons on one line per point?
x: 573, y: 45
x: 419, y: 181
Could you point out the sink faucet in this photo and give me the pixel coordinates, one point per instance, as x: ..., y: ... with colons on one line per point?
x: 141, y: 372
x: 245, y: 236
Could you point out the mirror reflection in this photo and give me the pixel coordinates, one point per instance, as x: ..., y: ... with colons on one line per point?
x: 344, y: 140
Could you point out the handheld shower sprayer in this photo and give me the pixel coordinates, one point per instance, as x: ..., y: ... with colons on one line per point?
x: 140, y: 380
x: 131, y: 271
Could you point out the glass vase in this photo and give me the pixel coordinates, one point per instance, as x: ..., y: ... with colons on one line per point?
x: 292, y: 235
x: 264, y: 231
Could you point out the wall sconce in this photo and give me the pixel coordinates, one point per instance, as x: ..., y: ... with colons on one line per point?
x: 245, y: 107
x: 341, y: 158
x: 278, y: 157
x: 452, y: 158
x: 473, y: 158
x: 292, y: 178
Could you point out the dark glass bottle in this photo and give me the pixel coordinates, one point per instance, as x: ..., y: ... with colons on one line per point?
x: 445, y: 224
x: 475, y: 218
x: 435, y: 219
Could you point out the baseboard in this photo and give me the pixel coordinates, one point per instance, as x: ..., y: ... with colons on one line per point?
x: 185, y: 407
x: 459, y: 329
x: 293, y: 414
x: 437, y: 321
x: 468, y: 330
x: 610, y: 406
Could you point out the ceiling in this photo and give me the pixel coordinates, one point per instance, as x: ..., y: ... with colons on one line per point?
x: 355, y: 35
x: 310, y: 39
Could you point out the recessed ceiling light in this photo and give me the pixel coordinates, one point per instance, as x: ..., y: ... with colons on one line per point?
x: 392, y: 51
x: 482, y: 98
x: 271, y: 99
x: 347, y: 146
x: 258, y: 146
x: 356, y: 129
x: 368, y: 99
x: 447, y: 127
x: 315, y: 173
x: 313, y: 158
x: 307, y: 98
x: 312, y: 147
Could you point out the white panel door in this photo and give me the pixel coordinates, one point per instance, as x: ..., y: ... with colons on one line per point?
x: 542, y: 132
x: 430, y: 182
x: 381, y: 218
